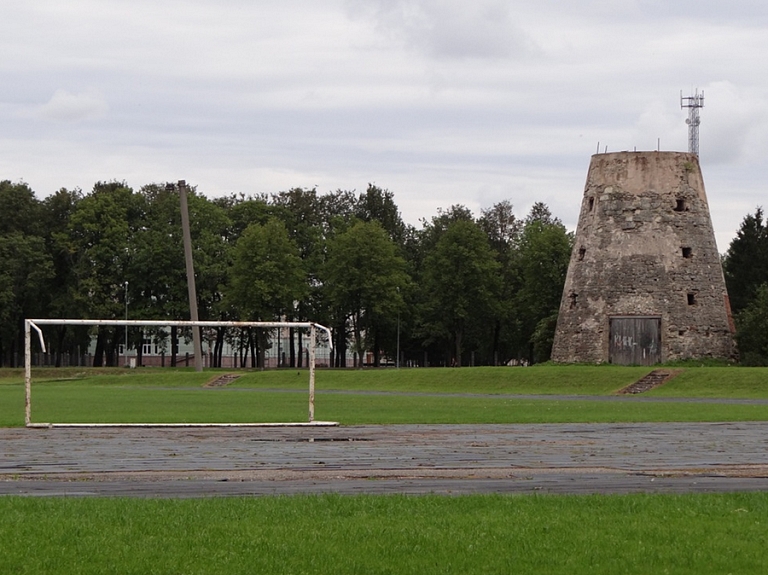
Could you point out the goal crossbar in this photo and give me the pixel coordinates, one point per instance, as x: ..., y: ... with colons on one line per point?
x: 30, y: 324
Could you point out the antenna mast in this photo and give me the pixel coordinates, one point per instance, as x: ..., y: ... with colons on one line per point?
x: 693, y: 103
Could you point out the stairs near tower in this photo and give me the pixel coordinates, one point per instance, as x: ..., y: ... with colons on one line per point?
x: 222, y: 380
x: 654, y: 379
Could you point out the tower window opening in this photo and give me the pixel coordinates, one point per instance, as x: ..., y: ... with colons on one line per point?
x: 574, y: 297
x: 687, y: 253
x: 681, y: 205
x: 691, y: 299
x: 582, y: 252
x: 591, y: 203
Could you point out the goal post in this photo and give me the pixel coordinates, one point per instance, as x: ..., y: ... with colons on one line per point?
x: 34, y: 324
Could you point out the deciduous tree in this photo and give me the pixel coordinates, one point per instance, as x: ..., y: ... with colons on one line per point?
x: 460, y: 284
x: 365, y: 279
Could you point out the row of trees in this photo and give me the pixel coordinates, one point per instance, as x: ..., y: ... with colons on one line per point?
x: 457, y: 290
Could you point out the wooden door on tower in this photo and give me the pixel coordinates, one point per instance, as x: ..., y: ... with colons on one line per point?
x: 635, y: 340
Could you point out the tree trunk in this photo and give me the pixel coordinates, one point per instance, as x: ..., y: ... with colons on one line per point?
x: 376, y: 344
x: 359, y: 351
x: 112, y: 347
x: 252, y: 341
x: 61, y: 332
x: 457, y: 340
x: 140, y: 349
x: 292, y: 347
x: 98, y: 354
x: 262, y: 345
x: 219, y: 346
x: 300, y: 362
x: 174, y: 344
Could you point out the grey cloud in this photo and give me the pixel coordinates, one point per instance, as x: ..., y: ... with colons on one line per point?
x: 447, y: 28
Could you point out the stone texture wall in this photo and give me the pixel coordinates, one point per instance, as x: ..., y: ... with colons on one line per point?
x: 645, y: 247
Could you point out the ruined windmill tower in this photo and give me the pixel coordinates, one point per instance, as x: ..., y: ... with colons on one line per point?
x: 644, y: 283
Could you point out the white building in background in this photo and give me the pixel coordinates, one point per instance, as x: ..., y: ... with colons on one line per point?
x: 157, y: 352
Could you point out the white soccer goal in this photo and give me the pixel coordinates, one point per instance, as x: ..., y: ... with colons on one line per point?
x: 30, y: 324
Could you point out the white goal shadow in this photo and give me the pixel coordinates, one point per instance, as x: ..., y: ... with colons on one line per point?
x: 30, y: 324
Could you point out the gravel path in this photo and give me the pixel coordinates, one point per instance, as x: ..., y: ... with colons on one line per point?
x: 450, y: 459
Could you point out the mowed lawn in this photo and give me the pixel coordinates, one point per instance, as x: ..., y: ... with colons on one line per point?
x: 569, y: 535
x: 539, y: 394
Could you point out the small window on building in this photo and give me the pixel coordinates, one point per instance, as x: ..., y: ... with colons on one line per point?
x: 687, y: 253
x: 574, y: 297
x: 582, y: 252
x: 146, y: 346
x: 681, y: 205
x: 691, y: 299
x: 591, y: 203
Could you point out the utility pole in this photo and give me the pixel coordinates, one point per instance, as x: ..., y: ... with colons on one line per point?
x: 182, y: 185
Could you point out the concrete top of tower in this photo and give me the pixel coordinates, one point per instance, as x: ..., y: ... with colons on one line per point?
x: 642, y: 172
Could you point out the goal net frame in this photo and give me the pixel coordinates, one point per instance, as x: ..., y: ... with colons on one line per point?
x: 30, y: 324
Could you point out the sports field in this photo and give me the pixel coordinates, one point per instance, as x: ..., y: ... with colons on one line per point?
x: 541, y: 394
x: 636, y: 533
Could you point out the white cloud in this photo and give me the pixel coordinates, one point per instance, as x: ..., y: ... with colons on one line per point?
x: 734, y: 124
x: 67, y: 107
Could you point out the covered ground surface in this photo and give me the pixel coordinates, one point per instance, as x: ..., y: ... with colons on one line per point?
x: 451, y: 459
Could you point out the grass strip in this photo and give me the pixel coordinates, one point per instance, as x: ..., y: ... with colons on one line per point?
x: 63, y: 403
x: 550, y: 379
x: 697, y: 534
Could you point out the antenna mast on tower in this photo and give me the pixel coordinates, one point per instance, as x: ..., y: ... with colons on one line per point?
x: 693, y: 103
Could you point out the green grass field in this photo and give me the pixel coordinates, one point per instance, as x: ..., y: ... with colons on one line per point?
x: 696, y: 534
x: 470, y: 395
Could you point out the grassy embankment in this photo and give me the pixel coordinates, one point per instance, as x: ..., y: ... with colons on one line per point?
x: 469, y: 395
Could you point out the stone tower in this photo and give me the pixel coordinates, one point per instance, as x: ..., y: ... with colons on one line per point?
x: 644, y: 283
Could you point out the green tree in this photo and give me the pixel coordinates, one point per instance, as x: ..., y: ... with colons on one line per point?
x: 545, y: 249
x: 751, y: 335
x: 24, y: 274
x: 364, y: 280
x: 21, y: 210
x: 301, y: 210
x: 267, y: 276
x: 504, y: 232
x: 62, y: 286
x: 101, y: 230
x: 460, y: 283
x: 26, y: 266
x: 379, y: 205
x: 745, y: 265
x: 157, y: 270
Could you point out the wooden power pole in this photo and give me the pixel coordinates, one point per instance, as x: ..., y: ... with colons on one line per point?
x: 190, y: 275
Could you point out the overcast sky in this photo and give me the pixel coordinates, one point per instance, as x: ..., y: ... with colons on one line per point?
x: 439, y: 101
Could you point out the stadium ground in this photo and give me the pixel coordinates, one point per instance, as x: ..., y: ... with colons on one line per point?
x: 447, y: 459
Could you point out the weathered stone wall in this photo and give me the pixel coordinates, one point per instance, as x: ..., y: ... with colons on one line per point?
x: 644, y: 247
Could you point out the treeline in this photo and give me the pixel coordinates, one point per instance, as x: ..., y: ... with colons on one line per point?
x: 458, y: 290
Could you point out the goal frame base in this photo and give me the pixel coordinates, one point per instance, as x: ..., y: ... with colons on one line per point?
x: 182, y: 425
